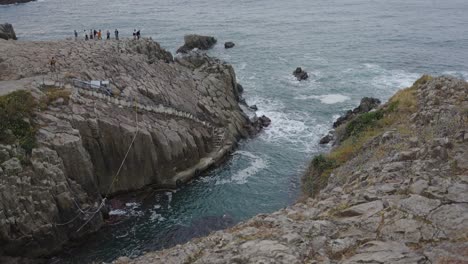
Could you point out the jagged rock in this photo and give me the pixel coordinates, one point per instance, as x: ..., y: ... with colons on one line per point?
x: 229, y: 45
x: 383, y: 204
x: 253, y: 107
x: 164, y: 117
x: 6, y: 30
x: 197, y: 42
x: 300, y: 74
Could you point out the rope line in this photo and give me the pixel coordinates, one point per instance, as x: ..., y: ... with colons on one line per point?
x: 115, y: 178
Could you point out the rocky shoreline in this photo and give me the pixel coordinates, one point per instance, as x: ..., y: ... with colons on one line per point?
x: 393, y: 190
x: 160, y: 122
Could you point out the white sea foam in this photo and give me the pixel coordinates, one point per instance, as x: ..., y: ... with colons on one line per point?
x: 155, y: 217
x: 257, y: 164
x: 325, y: 99
x: 459, y: 74
x: 118, y: 212
x: 297, y: 130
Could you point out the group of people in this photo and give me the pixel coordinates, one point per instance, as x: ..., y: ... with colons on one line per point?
x: 97, y: 34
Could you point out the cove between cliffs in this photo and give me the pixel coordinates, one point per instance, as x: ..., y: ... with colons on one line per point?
x: 168, y: 119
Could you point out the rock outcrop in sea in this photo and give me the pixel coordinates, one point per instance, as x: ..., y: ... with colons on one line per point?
x: 300, y: 74
x: 394, y: 191
x: 159, y: 122
x: 10, y: 2
x: 197, y: 42
x: 7, y: 32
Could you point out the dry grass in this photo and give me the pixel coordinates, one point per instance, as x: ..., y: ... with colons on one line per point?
x: 361, y: 130
x: 52, y: 94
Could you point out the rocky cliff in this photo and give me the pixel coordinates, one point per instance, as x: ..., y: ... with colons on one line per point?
x: 395, y: 190
x: 159, y: 122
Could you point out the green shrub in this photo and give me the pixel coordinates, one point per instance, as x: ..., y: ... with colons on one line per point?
x: 362, y: 122
x: 16, y: 125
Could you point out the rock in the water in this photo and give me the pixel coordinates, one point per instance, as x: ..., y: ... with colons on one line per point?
x: 240, y: 88
x: 259, y: 123
x: 197, y: 42
x: 10, y: 2
x: 253, y: 107
x: 300, y: 74
x: 7, y: 32
x: 326, y: 139
x: 229, y: 45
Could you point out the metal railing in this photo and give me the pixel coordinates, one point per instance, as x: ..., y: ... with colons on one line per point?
x: 92, y: 87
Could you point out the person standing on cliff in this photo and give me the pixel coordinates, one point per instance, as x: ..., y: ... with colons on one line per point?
x: 99, y: 34
x: 86, y: 35
x: 52, y: 64
x: 90, y: 34
x: 116, y: 32
x: 134, y: 34
x: 108, y: 34
x: 138, y: 34
x: 76, y: 35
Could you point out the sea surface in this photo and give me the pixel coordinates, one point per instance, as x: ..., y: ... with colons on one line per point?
x: 351, y: 49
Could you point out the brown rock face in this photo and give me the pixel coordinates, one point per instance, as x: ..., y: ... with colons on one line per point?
x: 165, y: 122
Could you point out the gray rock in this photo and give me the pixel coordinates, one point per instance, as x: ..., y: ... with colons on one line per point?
x: 229, y: 45
x: 12, y: 166
x: 419, y: 205
x: 6, y: 30
x: 197, y: 42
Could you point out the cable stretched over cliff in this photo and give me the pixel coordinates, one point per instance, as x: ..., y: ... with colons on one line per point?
x: 115, y: 178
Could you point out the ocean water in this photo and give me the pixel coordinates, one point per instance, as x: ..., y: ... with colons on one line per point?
x: 351, y: 49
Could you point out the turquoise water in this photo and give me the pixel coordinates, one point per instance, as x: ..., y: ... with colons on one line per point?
x: 351, y: 48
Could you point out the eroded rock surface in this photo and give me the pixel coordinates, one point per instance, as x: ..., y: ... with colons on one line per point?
x: 165, y: 122
x: 398, y: 200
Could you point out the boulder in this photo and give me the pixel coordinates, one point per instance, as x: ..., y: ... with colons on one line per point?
x: 7, y: 32
x: 300, y: 74
x: 229, y: 45
x: 197, y: 42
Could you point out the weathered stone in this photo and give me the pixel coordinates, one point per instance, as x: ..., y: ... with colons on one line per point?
x: 12, y: 166
x: 419, y: 205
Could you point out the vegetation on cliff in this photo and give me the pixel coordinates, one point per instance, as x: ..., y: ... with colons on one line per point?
x: 17, y: 125
x: 359, y: 131
x: 394, y: 191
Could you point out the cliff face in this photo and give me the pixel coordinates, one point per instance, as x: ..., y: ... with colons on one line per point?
x: 394, y: 191
x: 168, y: 119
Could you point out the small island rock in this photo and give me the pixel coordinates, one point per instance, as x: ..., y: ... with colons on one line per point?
x: 300, y: 74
